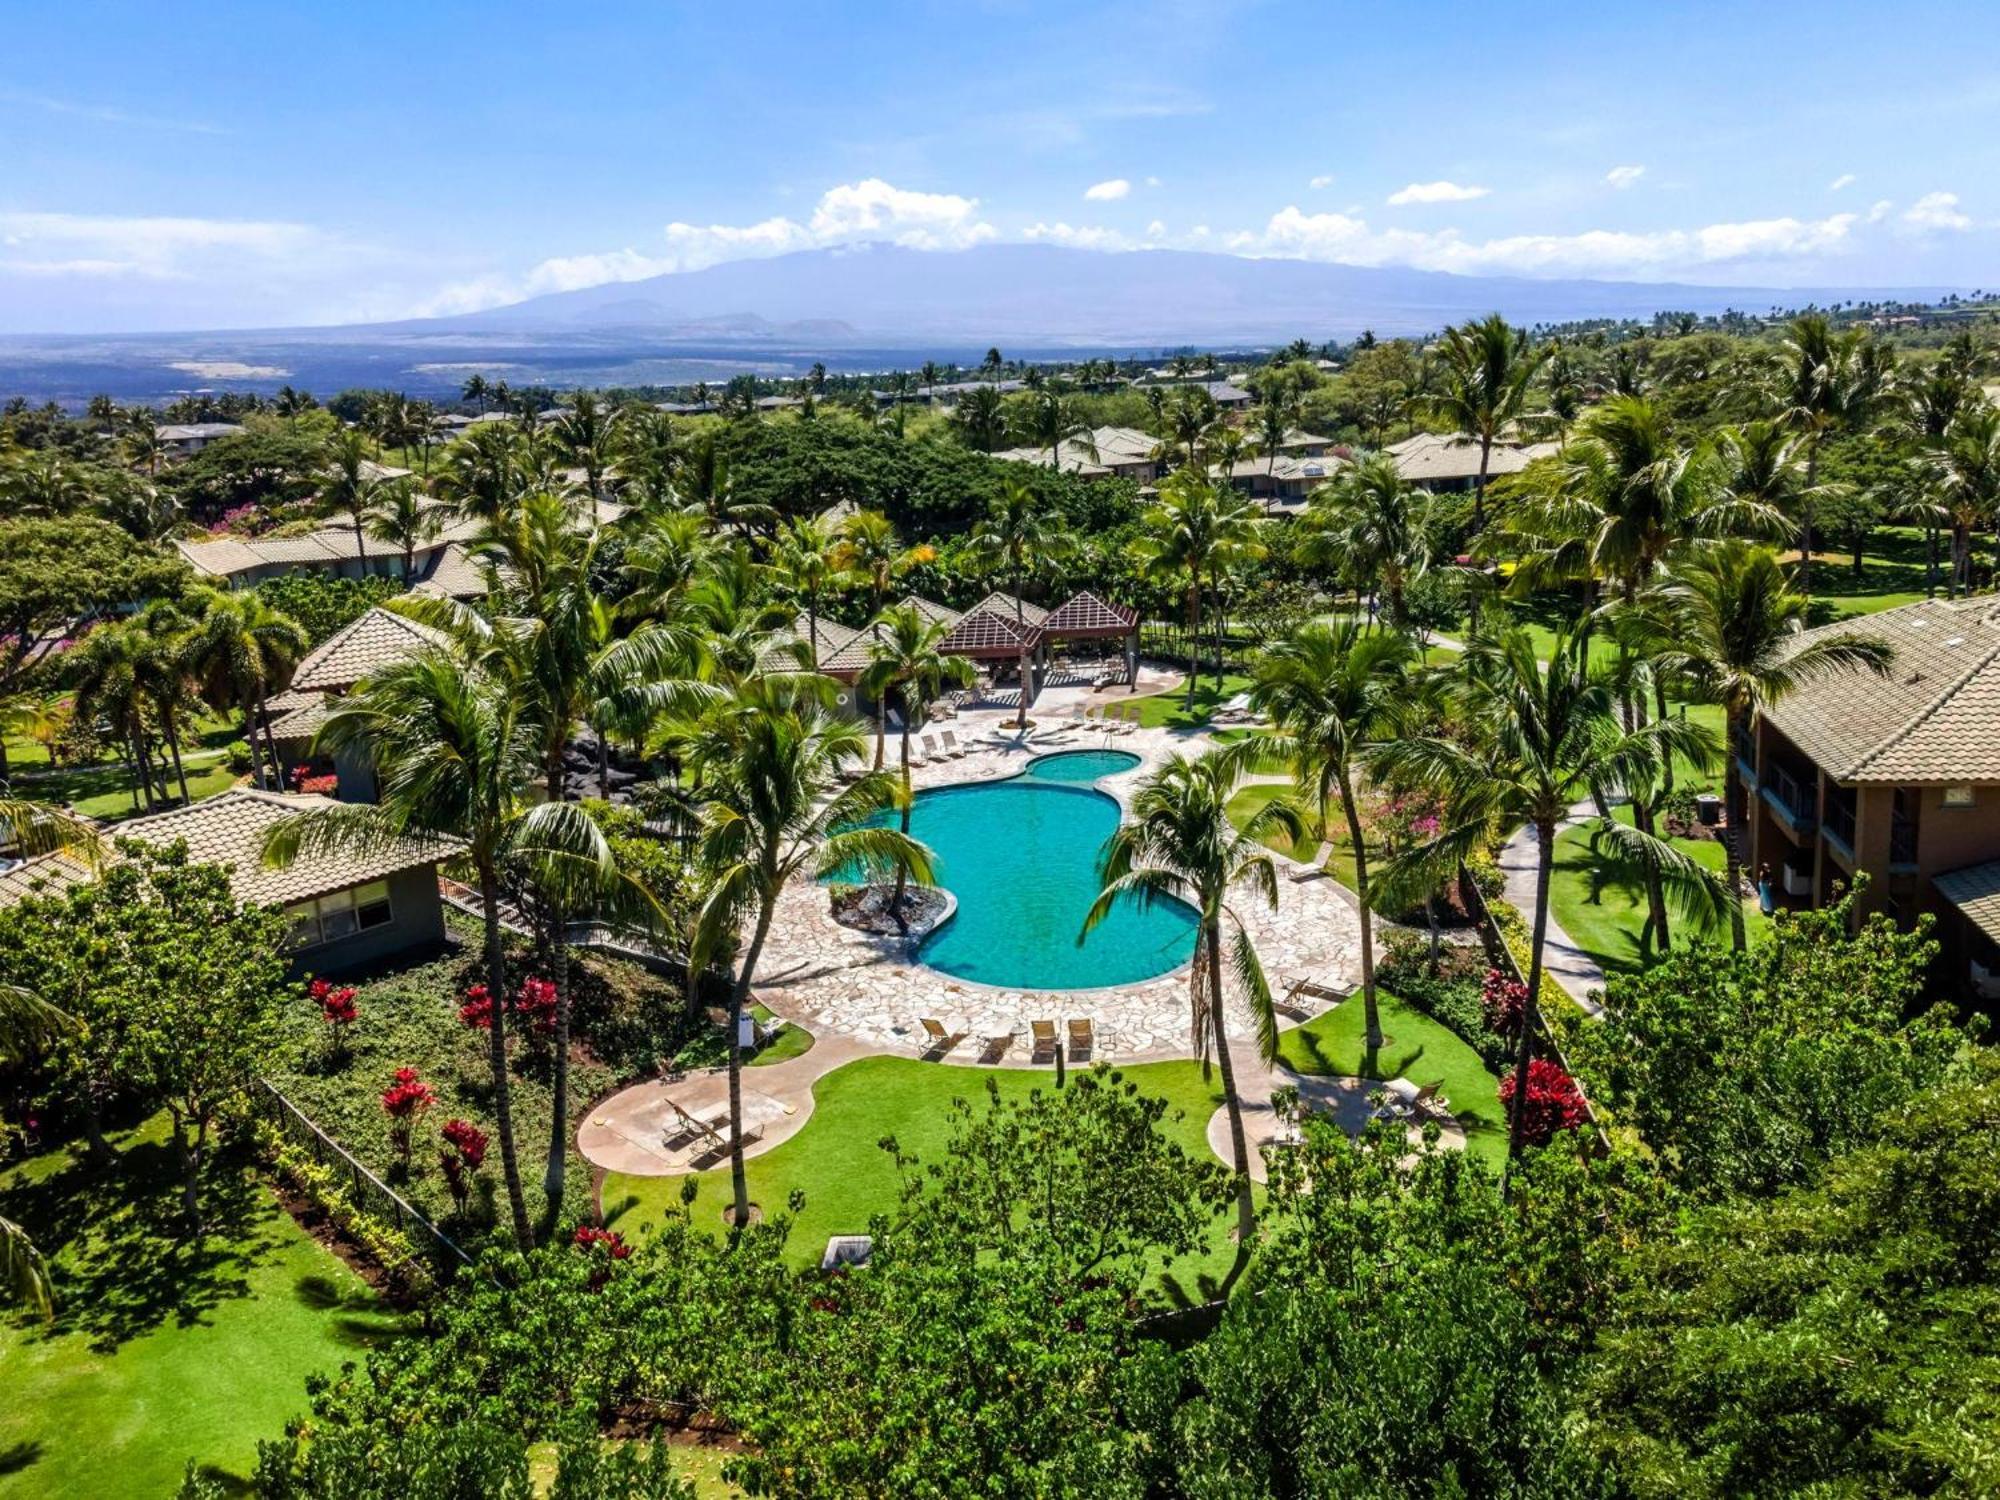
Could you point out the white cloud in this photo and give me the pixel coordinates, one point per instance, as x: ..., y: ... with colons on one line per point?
x: 162, y: 248
x: 1844, y: 180
x: 1936, y: 211
x: 1109, y: 191
x: 1879, y: 210
x: 1623, y: 177
x: 1081, y: 237
x: 1350, y: 239
x: 1152, y: 182
x: 1435, y: 192
x: 1324, y: 180
x: 1156, y: 230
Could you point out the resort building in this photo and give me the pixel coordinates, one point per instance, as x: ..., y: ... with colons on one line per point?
x: 1122, y: 451
x: 1897, y: 777
x: 1443, y: 462
x: 1284, y: 481
x: 345, y: 909
x: 185, y: 439
x: 378, y: 639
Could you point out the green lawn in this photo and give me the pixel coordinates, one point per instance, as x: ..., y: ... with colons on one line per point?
x: 1601, y: 904
x: 163, y: 1351
x: 1251, y: 800
x: 789, y: 1042
x: 836, y: 1162
x: 105, y: 791
x: 1166, y: 710
x: 1417, y: 1048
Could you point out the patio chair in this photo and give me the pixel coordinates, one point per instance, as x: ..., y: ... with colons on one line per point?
x: 948, y: 743
x: 1082, y: 1041
x: 931, y: 751
x: 996, y: 1048
x: 1043, y: 1034
x: 1428, y: 1102
x: 940, y: 1040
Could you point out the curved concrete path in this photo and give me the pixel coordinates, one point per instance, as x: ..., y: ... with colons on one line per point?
x: 1576, y: 971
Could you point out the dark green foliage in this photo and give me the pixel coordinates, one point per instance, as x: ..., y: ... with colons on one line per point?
x: 323, y: 603
x: 1448, y: 994
x: 56, y: 574
x: 250, y: 468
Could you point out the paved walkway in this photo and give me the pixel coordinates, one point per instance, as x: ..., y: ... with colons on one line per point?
x: 1576, y: 971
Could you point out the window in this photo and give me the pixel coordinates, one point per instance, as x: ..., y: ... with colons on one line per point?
x: 340, y: 914
x: 1958, y: 796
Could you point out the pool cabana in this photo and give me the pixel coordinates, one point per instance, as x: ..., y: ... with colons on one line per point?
x: 983, y: 634
x: 1085, y: 617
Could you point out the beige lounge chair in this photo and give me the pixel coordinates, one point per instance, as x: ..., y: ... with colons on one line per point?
x: 1044, y: 1035
x: 931, y: 750
x: 996, y: 1048
x: 1082, y: 1040
x: 948, y: 742
x: 940, y: 1040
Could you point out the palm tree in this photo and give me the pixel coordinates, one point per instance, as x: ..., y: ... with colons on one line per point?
x: 1535, y: 741
x: 109, y: 673
x: 457, y: 752
x: 1182, y: 845
x: 584, y: 435
x: 1488, y: 369
x: 1336, y: 696
x: 1017, y: 537
x: 475, y: 389
x: 1738, y: 644
x: 168, y: 673
x: 1966, y: 474
x: 1192, y: 535
x: 980, y: 418
x: 401, y: 516
x: 807, y: 561
x: 768, y: 760
x: 485, y: 472
x: 1274, y: 421
x: 904, y: 659
x: 1825, y: 382
x: 1375, y: 524
x: 26, y: 1024
x: 1191, y: 416
x: 142, y: 440
x: 1052, y: 419
x: 869, y: 549
x: 242, y: 650
x: 666, y: 553
x: 348, y: 488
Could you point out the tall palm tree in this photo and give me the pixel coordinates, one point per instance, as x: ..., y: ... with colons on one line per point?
x: 904, y: 659
x: 348, y: 487
x: 399, y: 515
x: 142, y: 440
x: 1274, y: 421
x: 584, y: 435
x: 980, y: 418
x: 457, y: 752
x: 475, y: 390
x: 1192, y: 535
x: 1017, y: 536
x: 869, y: 549
x: 768, y: 760
x: 484, y: 473
x: 1191, y: 418
x: 807, y: 562
x: 1533, y: 741
x: 168, y: 673
x: 738, y: 619
x: 667, y: 552
x: 1337, y: 696
x: 1051, y: 418
x: 1737, y: 627
x: 1488, y: 370
x: 1375, y: 524
x: 242, y: 650
x: 1824, y: 382
x: 109, y: 671
x: 1181, y: 844
x: 1966, y: 475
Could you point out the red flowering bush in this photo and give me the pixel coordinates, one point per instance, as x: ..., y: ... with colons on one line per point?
x: 1503, y: 999
x: 405, y: 1101
x: 536, y: 1005
x: 477, y: 1011
x: 1554, y: 1102
x: 337, y: 1011
x: 467, y: 1154
x: 604, y: 1246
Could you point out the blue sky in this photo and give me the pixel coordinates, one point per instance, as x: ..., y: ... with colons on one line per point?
x: 239, y: 165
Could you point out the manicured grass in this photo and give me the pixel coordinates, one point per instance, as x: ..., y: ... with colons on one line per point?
x: 1601, y: 903
x: 837, y: 1163
x: 162, y: 1351
x: 1417, y: 1048
x: 1252, y: 800
x: 105, y: 791
x: 1167, y: 711
x: 790, y: 1041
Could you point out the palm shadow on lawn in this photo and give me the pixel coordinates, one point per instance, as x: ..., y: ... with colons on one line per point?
x: 122, y: 1265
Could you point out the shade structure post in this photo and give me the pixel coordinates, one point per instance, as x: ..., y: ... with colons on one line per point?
x: 1027, y: 677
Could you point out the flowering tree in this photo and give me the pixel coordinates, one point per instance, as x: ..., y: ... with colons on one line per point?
x: 464, y: 1155
x: 1554, y: 1101
x: 405, y: 1101
x: 337, y: 1011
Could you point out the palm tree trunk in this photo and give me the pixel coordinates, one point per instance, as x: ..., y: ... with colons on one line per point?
x: 552, y: 1177
x: 881, y: 726
x: 1806, y: 520
x: 1371, y: 1014
x: 1732, y: 794
x: 739, y: 995
x: 250, y: 738
x: 361, y: 538
x: 902, y: 871
x: 1246, y: 1209
x: 174, y: 745
x: 496, y: 1055
x: 1194, y: 642
x: 1545, y: 841
x: 1479, y: 484
x: 1931, y: 562
x: 270, y: 744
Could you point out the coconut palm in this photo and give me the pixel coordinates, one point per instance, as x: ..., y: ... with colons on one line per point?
x: 1823, y: 383
x: 980, y: 418
x: 399, y: 515
x: 869, y: 550
x: 1965, y: 473
x: 808, y: 562
x: 904, y: 659
x: 1336, y: 696
x: 1182, y: 845
x: 1488, y: 372
x: 1192, y: 535
x: 1018, y: 536
x: 1534, y: 741
x: 666, y: 553
x: 110, y: 671
x: 1737, y: 644
x: 1274, y: 421
x: 458, y: 754
x: 768, y: 760
x: 738, y: 619
x: 143, y: 447
x: 243, y: 650
x: 1049, y: 418
x: 1372, y: 523
x: 1191, y: 418
x: 485, y: 472
x: 584, y: 434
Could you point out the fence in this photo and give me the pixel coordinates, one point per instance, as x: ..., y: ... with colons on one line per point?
x: 370, y: 1193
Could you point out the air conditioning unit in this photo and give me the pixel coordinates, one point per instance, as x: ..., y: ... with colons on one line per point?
x: 1797, y: 882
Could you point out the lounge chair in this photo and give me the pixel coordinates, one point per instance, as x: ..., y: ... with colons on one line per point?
x: 940, y: 1041
x: 1300, y: 990
x: 948, y: 742
x: 996, y: 1048
x: 1082, y: 1041
x: 1428, y: 1102
x: 931, y: 750
x: 1044, y: 1036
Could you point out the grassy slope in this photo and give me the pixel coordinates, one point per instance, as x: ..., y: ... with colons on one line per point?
x: 161, y: 1353
x: 1419, y: 1049
x: 1600, y: 905
x: 1165, y: 711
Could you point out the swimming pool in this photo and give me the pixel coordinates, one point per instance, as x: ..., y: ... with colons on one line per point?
x: 1021, y: 857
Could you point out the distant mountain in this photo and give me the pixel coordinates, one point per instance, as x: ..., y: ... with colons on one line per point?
x: 1053, y: 296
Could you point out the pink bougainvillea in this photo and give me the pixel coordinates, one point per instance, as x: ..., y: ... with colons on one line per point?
x: 1554, y: 1102
x: 405, y: 1101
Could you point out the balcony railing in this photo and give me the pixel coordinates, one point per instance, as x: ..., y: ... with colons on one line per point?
x: 1796, y: 800
x: 1902, y: 840
x: 1839, y: 823
x: 1744, y: 748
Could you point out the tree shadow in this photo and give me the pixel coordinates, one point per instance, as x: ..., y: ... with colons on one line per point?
x: 18, y: 1456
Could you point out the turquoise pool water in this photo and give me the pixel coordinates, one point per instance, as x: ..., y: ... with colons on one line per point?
x: 1021, y: 857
